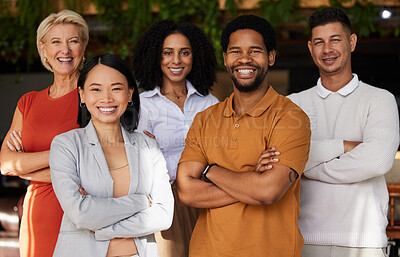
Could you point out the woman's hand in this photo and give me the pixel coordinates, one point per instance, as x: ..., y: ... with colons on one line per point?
x: 266, y: 159
x: 149, y: 134
x: 16, y: 142
x: 82, y: 191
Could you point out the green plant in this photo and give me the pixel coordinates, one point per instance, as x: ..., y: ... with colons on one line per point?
x: 18, y: 30
x: 363, y: 15
x: 279, y: 12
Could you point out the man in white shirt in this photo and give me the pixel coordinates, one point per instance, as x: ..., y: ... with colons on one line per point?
x: 355, y: 135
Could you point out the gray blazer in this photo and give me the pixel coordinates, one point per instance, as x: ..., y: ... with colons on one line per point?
x: 76, y: 157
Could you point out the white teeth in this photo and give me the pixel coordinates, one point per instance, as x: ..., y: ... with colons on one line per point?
x: 65, y: 59
x: 245, y: 71
x: 176, y: 70
x: 105, y: 109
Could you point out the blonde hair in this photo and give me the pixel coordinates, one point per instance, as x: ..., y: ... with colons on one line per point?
x: 62, y: 17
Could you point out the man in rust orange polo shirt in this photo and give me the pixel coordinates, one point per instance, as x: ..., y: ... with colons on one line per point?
x: 250, y: 209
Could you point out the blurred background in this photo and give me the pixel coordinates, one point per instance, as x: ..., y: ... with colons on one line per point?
x: 115, y: 26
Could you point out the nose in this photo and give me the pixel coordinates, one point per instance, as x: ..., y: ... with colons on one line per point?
x: 65, y: 48
x: 106, y: 97
x: 176, y: 58
x: 328, y: 47
x: 245, y: 58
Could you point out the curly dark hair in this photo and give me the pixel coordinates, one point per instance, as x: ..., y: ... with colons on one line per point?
x: 129, y: 118
x: 329, y: 15
x: 147, y: 56
x: 253, y: 22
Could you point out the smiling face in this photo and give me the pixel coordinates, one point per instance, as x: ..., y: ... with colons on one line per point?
x: 176, y: 58
x: 330, y: 47
x: 106, y: 94
x: 247, y: 60
x: 63, y: 48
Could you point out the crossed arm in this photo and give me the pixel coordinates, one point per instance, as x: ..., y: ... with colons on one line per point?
x: 265, y: 185
x: 16, y: 162
x: 126, y: 216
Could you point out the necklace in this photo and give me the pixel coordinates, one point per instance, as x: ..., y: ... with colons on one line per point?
x: 173, y: 94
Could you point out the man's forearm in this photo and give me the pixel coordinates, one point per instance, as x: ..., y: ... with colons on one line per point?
x: 201, y: 194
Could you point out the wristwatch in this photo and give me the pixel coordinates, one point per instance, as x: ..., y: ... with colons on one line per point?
x: 204, y: 173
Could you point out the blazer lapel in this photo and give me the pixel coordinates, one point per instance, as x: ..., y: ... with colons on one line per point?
x: 97, y: 151
x: 132, y: 154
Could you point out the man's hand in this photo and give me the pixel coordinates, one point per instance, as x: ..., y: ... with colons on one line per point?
x: 266, y: 159
x: 350, y: 145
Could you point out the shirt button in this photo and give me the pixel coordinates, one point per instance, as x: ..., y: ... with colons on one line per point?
x: 236, y: 125
x: 234, y: 138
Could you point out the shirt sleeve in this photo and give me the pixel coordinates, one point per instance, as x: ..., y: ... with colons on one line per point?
x: 194, y: 150
x: 374, y: 155
x: 85, y: 211
x: 158, y: 217
x: 291, y: 137
x: 324, y: 151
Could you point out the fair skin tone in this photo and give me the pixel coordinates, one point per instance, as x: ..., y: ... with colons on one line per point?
x: 64, y: 50
x: 106, y: 95
x: 330, y: 47
x: 176, y: 64
x: 267, y: 183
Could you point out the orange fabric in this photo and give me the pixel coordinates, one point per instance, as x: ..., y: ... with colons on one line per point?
x: 43, y: 119
x: 121, y: 246
x: 218, y: 136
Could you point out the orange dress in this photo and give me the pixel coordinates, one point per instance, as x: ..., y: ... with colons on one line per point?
x: 43, y: 119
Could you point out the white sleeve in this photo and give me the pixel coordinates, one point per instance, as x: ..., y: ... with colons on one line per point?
x: 156, y: 218
x: 87, y: 212
x: 323, y: 151
x: 374, y: 156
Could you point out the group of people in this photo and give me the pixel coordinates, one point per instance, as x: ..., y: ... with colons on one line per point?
x: 171, y: 172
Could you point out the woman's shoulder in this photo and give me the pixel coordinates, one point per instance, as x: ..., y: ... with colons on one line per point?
x: 30, y: 96
x: 70, y: 137
x: 142, y: 140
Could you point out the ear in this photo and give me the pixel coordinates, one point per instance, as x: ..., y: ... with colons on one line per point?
x: 81, y: 94
x: 353, y: 42
x: 130, y: 92
x: 271, y: 58
x: 309, y: 44
x: 224, y: 54
x: 42, y: 48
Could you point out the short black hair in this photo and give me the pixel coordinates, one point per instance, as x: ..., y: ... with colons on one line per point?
x: 329, y: 15
x: 253, y: 22
x: 147, y: 56
x: 129, y: 119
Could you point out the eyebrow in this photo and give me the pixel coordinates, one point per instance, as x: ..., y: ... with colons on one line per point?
x: 170, y: 48
x: 113, y: 84
x: 335, y: 35
x: 251, y: 47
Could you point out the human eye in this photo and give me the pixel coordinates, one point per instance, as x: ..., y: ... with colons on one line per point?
x: 185, y: 53
x: 318, y: 42
x: 168, y: 53
x: 55, y: 41
x: 95, y: 89
x: 75, y: 41
x: 117, y: 88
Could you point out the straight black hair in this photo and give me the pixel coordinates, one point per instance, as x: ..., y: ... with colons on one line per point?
x: 129, y: 119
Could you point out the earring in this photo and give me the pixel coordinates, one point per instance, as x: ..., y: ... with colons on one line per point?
x: 82, y: 105
x: 83, y: 59
x: 45, y: 59
x: 130, y: 103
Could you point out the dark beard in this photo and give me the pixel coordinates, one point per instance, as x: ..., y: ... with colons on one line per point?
x: 253, y: 86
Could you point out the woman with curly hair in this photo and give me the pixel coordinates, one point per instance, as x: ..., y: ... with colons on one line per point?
x: 176, y: 66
